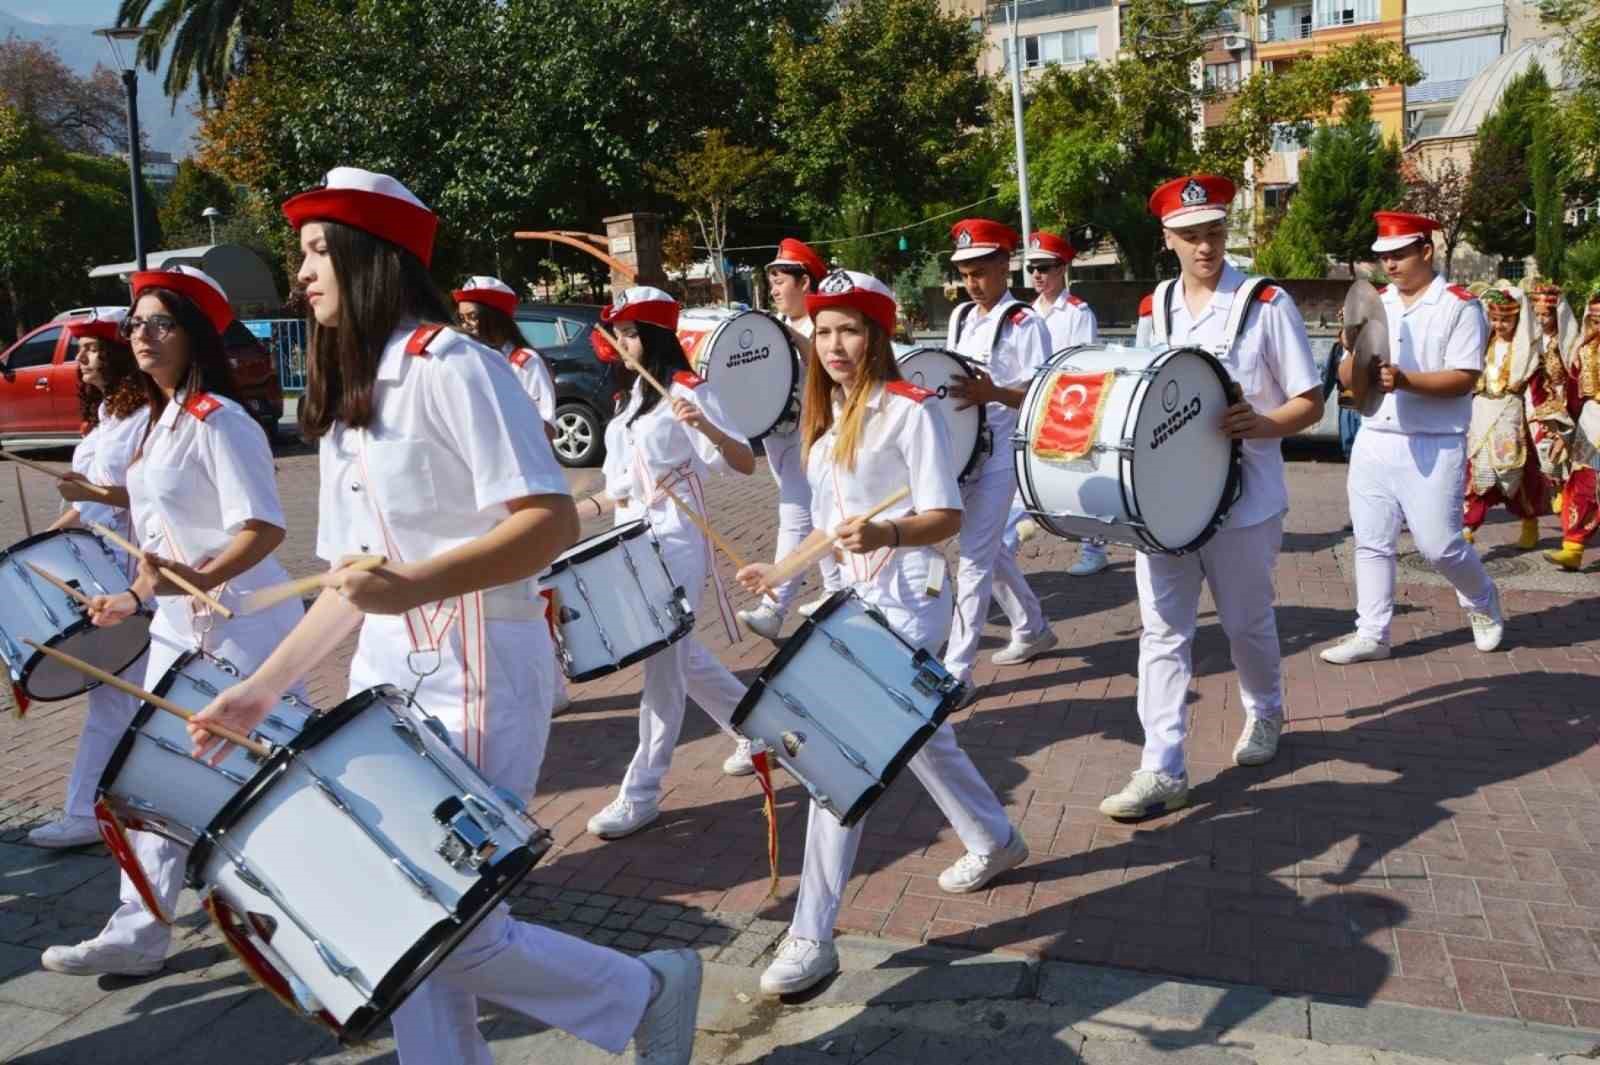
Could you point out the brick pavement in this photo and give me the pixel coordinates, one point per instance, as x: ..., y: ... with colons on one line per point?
x: 1430, y: 833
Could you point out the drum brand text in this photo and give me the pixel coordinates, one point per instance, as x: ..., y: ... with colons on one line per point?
x: 1167, y: 429
x: 745, y: 357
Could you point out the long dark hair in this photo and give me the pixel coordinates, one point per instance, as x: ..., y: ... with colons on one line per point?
x: 209, y: 369
x: 496, y: 328
x: 380, y: 286
x: 124, y: 391
x: 663, y: 357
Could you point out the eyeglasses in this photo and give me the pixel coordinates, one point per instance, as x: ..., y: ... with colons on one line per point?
x: 468, y: 320
x: 159, y: 325
x: 1043, y: 268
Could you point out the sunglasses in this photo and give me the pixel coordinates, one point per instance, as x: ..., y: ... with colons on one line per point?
x: 158, y: 325
x: 1042, y: 268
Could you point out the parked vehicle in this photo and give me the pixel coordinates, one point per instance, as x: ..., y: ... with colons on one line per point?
x: 585, y: 386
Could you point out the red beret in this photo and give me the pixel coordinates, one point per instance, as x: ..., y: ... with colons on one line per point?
x: 1042, y: 245
x: 978, y: 237
x: 374, y: 203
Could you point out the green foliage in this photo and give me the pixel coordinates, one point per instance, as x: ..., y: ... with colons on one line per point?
x: 1500, y: 183
x: 1549, y: 203
x: 193, y: 190
x: 710, y: 180
x: 1577, y: 22
x: 1583, y: 265
x: 210, y: 40
x: 1295, y: 249
x: 1350, y: 172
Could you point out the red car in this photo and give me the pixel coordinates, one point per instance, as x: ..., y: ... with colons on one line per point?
x: 39, y: 381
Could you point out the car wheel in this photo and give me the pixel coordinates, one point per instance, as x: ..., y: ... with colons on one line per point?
x: 579, y: 436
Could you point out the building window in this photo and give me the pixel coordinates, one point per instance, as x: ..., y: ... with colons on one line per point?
x: 1332, y: 13
x: 1050, y: 49
x: 1275, y: 198
x: 1288, y: 23
x: 1287, y: 138
x: 1513, y: 269
x: 1222, y: 77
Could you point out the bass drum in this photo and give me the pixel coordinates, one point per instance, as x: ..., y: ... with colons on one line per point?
x: 934, y: 369
x: 1126, y: 445
x: 749, y: 362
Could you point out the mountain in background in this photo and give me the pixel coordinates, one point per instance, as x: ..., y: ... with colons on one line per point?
x: 165, y: 129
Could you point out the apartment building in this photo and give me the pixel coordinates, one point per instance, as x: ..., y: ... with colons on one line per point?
x: 1051, y: 32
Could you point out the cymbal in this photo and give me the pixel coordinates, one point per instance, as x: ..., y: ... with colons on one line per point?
x: 1367, y: 326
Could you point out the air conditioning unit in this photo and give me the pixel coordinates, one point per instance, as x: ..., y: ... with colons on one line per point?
x: 1235, y: 42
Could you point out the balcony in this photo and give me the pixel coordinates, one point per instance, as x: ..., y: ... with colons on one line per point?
x: 1490, y: 17
x: 999, y: 10
x: 1333, y: 14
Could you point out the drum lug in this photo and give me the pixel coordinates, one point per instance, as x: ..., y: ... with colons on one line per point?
x: 467, y: 845
x: 1126, y: 447
x: 931, y: 678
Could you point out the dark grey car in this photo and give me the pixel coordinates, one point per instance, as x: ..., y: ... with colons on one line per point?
x: 585, y: 386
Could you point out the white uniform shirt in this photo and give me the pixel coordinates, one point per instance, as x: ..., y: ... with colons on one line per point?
x: 104, y: 457
x: 534, y: 373
x: 1069, y: 319
x: 1435, y: 333
x: 802, y: 325
x: 1271, y: 362
x: 656, y: 448
x: 903, y: 441
x: 1023, y: 346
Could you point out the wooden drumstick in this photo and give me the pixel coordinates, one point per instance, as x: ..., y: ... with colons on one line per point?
x: 137, y: 552
x: 267, y: 598
x: 72, y: 593
x: 705, y: 527
x: 792, y: 565
x: 22, y: 503
x: 255, y: 747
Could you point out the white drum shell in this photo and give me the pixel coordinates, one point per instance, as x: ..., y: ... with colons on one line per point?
x: 934, y: 369
x: 747, y: 359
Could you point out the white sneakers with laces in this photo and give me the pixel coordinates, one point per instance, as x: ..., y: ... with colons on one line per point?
x: 1258, y: 742
x: 622, y: 817
x: 1355, y: 648
x: 1091, y: 560
x: 1019, y: 651
x: 799, y: 964
x: 67, y: 831
x: 973, y: 872
x: 94, y: 958
x: 1147, y: 793
x: 738, y: 764
x: 1488, y: 628
x: 765, y: 620
x: 665, y: 1035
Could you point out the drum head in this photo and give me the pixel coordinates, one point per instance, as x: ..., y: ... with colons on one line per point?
x: 1182, y: 462
x: 751, y: 366
x: 933, y: 369
x: 113, y: 649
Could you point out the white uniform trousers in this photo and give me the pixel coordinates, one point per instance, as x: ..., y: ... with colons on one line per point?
x: 1237, y: 565
x: 987, y: 508
x: 1011, y: 590
x: 110, y: 713
x: 794, y: 513
x: 952, y: 781
x: 1420, y: 478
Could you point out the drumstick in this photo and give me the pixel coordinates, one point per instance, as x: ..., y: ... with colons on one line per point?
x: 631, y: 364
x: 792, y: 565
x: 22, y: 503
x: 271, y: 597
x: 72, y: 592
x: 705, y: 527
x: 255, y: 747
x: 138, y: 552
x: 39, y: 467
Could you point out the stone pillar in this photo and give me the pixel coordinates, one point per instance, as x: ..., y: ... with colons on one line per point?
x: 635, y: 238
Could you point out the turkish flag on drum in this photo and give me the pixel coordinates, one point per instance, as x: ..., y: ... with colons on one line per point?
x: 1067, y: 420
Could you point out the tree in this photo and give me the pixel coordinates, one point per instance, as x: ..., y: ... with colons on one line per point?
x: 1499, y: 183
x: 710, y: 181
x: 210, y: 39
x: 193, y: 190
x: 1549, y: 203
x: 1350, y: 172
x: 80, y: 114
x: 1295, y: 249
x: 1438, y: 190
x: 1577, y: 22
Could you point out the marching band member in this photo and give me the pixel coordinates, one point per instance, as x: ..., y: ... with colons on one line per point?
x: 868, y: 434
x: 1010, y: 342
x: 204, y: 504
x: 486, y: 307
x: 115, y: 411
x: 425, y: 457
x: 1409, y: 460
x: 1580, y: 513
x: 1257, y: 332
x: 790, y: 278
x: 654, y: 447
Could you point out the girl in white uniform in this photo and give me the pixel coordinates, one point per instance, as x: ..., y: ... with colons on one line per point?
x: 204, y: 504
x: 115, y: 411
x: 654, y: 447
x: 427, y: 457
x: 867, y: 435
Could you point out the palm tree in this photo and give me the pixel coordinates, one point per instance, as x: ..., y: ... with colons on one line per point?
x: 209, y: 38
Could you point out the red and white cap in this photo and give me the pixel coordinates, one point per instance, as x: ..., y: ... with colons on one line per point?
x: 489, y: 291
x: 198, y: 285
x: 1046, y: 246
x: 861, y: 292
x: 104, y: 324
x: 643, y: 304
x: 1396, y: 229
x: 1192, y: 201
x: 978, y: 237
x: 793, y: 252
x: 374, y: 203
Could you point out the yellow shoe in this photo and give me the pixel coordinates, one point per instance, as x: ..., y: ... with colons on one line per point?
x: 1469, y: 535
x: 1555, y: 504
x: 1570, y: 557
x: 1530, y: 534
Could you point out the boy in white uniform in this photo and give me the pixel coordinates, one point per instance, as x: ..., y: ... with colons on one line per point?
x: 1268, y: 356
x: 1410, y: 458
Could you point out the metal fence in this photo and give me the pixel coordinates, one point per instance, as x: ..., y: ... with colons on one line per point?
x: 286, y: 339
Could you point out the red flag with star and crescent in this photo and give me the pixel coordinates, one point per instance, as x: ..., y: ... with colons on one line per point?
x: 1067, y: 420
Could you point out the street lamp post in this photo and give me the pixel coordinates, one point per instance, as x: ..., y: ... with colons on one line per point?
x: 113, y: 34
x: 211, y: 214
x: 1014, y: 45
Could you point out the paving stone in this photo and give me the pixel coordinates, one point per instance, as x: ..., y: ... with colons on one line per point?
x: 1410, y: 1030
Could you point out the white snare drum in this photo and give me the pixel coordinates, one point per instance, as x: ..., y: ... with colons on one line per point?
x: 31, y: 608
x: 934, y: 369
x: 615, y: 602
x: 359, y: 857
x: 1156, y: 473
x: 845, y: 705
x: 153, y: 785
x: 747, y: 359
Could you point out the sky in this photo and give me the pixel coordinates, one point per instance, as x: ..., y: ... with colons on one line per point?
x: 69, y: 12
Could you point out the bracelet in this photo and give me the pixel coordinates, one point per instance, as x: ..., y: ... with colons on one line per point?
x: 896, y: 530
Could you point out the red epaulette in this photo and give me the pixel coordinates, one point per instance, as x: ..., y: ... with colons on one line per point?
x: 520, y: 357
x: 687, y: 379
x: 1021, y: 313
x: 1267, y: 294
x: 418, y: 342
x: 1147, y: 306
x: 910, y: 391
x: 1461, y: 293
x: 1074, y: 301
x: 202, y: 405
x: 1381, y: 289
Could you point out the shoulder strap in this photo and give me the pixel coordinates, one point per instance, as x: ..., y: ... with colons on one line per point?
x: 1243, y: 300
x: 957, y: 320
x: 419, y: 340
x: 1161, y: 311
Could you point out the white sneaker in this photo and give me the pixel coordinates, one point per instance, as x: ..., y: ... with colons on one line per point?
x: 1147, y: 793
x: 1258, y: 743
x: 665, y: 1035
x: 799, y: 964
x: 1027, y: 529
x: 807, y: 609
x: 765, y: 620
x: 738, y: 764
x: 1091, y: 560
x: 93, y: 958
x: 623, y: 818
x: 1354, y: 648
x: 1488, y: 628
x: 1018, y: 651
x: 67, y: 832
x: 972, y: 872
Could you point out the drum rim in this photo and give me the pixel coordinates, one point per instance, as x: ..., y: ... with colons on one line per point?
x: 793, y: 402
x: 81, y: 625
x: 124, y: 747
x: 983, y: 414
x: 683, y: 629
x: 598, y: 543
x: 48, y: 534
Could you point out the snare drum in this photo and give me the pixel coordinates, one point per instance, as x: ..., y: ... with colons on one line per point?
x: 358, y: 858
x: 934, y: 369
x: 615, y: 602
x: 1125, y: 445
x: 846, y: 704
x: 749, y: 362
x: 31, y: 608
x: 152, y: 784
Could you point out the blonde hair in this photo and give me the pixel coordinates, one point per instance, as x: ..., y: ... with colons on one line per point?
x: 816, y: 418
